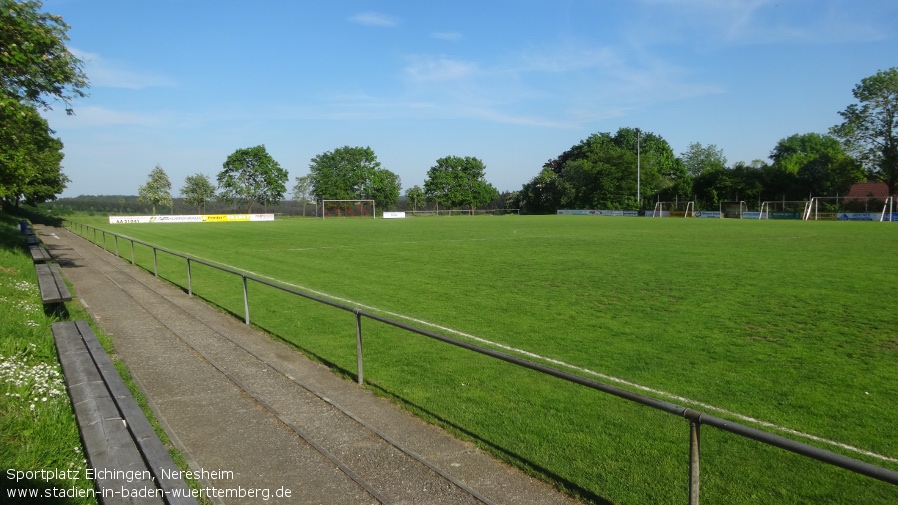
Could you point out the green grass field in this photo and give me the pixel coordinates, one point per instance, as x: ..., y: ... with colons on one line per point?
x: 790, y: 323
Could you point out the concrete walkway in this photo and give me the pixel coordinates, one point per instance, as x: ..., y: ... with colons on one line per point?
x: 256, y: 419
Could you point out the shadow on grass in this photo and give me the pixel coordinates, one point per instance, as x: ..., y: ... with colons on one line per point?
x: 502, y: 453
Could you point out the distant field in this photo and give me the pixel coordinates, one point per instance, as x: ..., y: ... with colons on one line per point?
x: 791, y: 323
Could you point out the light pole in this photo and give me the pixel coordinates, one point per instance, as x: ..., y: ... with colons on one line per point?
x: 638, y: 195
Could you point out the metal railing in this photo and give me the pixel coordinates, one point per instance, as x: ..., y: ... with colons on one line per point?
x: 696, y: 418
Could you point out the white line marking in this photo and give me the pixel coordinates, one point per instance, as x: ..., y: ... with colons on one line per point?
x: 657, y: 392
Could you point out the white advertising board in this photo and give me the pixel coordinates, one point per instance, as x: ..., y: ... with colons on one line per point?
x: 206, y: 218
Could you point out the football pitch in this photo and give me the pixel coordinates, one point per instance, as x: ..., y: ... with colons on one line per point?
x: 787, y: 326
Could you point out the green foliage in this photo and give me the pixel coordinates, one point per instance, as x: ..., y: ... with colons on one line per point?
x: 197, y: 190
x: 157, y: 190
x: 699, y: 160
x: 607, y: 171
x: 30, y: 157
x: 870, y: 127
x: 302, y: 191
x: 34, y: 61
x: 37, y: 426
x: 459, y: 182
x: 353, y: 173
x: 545, y: 193
x: 818, y: 163
x: 414, y: 196
x: 251, y: 175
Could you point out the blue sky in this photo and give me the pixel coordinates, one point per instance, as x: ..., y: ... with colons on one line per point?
x: 184, y: 83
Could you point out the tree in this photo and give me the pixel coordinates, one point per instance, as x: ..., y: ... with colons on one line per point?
x: 35, y: 67
x: 415, y: 196
x: 353, y: 173
x: 30, y: 156
x: 870, y: 127
x: 343, y: 174
x: 455, y: 181
x: 197, y: 190
x: 607, y: 171
x: 35, y: 64
x: 545, y: 193
x: 251, y: 175
x: 384, y: 189
x: 157, y: 190
x: 302, y: 191
x: 818, y: 165
x: 699, y: 160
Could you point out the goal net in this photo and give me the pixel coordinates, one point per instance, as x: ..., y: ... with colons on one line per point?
x: 831, y: 208
x: 674, y: 209
x: 733, y: 210
x: 348, y: 208
x: 783, y: 209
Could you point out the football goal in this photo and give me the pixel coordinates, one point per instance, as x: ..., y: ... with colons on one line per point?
x: 733, y: 210
x: 830, y: 208
x: 348, y: 208
x: 783, y: 209
x: 674, y: 209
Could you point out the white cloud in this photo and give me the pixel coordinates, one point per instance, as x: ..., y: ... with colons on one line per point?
x: 111, y: 74
x: 449, y: 36
x: 438, y: 69
x: 374, y: 19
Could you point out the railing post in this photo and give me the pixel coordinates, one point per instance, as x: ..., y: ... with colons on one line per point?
x: 189, y: 283
x: 360, y: 379
x: 694, y: 456
x: 132, y: 253
x: 116, y: 246
x: 245, y: 301
x: 155, y: 264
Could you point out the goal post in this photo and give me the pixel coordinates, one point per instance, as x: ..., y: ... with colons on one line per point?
x: 853, y: 208
x: 674, y: 209
x: 783, y: 209
x: 733, y: 210
x: 348, y: 208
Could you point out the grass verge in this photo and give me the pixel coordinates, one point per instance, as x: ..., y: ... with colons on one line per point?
x: 40, y: 447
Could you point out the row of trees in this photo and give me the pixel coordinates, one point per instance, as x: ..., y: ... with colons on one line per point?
x: 36, y: 69
x: 252, y: 176
x: 631, y: 169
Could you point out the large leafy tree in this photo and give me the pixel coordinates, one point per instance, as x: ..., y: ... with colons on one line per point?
x: 353, y: 173
x: 35, y: 65
x: 870, y: 127
x: 457, y: 181
x: 384, y: 188
x: 35, y: 69
x: 817, y: 165
x: 545, y: 193
x: 157, y: 190
x: 251, y: 175
x: 699, y: 159
x: 607, y: 171
x: 197, y: 190
x: 30, y: 156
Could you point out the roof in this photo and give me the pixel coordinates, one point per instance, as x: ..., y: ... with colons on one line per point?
x: 868, y: 189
